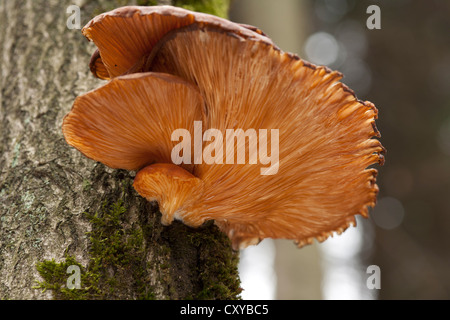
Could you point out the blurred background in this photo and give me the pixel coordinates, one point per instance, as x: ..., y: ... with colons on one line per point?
x: 404, y: 68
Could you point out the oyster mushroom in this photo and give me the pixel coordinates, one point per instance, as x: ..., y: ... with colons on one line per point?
x: 322, y: 177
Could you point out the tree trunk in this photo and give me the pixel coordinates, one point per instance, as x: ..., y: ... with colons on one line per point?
x: 59, y: 209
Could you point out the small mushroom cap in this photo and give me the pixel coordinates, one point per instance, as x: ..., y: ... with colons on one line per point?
x: 125, y: 35
x: 128, y: 123
x: 171, y: 186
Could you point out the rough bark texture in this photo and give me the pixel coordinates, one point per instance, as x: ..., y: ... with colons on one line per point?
x: 58, y: 208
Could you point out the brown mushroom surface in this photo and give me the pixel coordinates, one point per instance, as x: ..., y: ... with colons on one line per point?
x: 322, y: 179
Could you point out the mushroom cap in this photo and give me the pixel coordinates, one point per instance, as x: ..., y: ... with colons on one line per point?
x: 326, y: 144
x: 172, y: 187
x: 125, y: 35
x: 128, y: 123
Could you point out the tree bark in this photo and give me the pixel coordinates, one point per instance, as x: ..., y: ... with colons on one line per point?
x: 58, y: 208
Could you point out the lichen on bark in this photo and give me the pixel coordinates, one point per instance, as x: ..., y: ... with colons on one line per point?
x: 58, y: 207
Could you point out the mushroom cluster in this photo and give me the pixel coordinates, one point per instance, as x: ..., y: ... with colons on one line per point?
x: 168, y: 68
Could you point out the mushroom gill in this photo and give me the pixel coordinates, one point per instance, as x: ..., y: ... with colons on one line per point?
x: 126, y: 124
x: 324, y: 135
x: 325, y: 144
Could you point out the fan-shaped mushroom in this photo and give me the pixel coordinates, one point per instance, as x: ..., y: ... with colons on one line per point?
x: 325, y: 145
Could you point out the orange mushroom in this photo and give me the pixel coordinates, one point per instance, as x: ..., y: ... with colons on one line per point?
x: 321, y: 178
x: 125, y: 36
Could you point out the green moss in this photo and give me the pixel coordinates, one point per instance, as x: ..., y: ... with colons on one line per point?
x: 16, y: 155
x: 147, y: 2
x: 54, y: 275
x: 115, y: 261
x: 217, y: 266
x: 215, y: 7
x: 86, y: 185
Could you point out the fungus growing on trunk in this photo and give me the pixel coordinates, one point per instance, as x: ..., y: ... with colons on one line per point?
x: 170, y: 67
